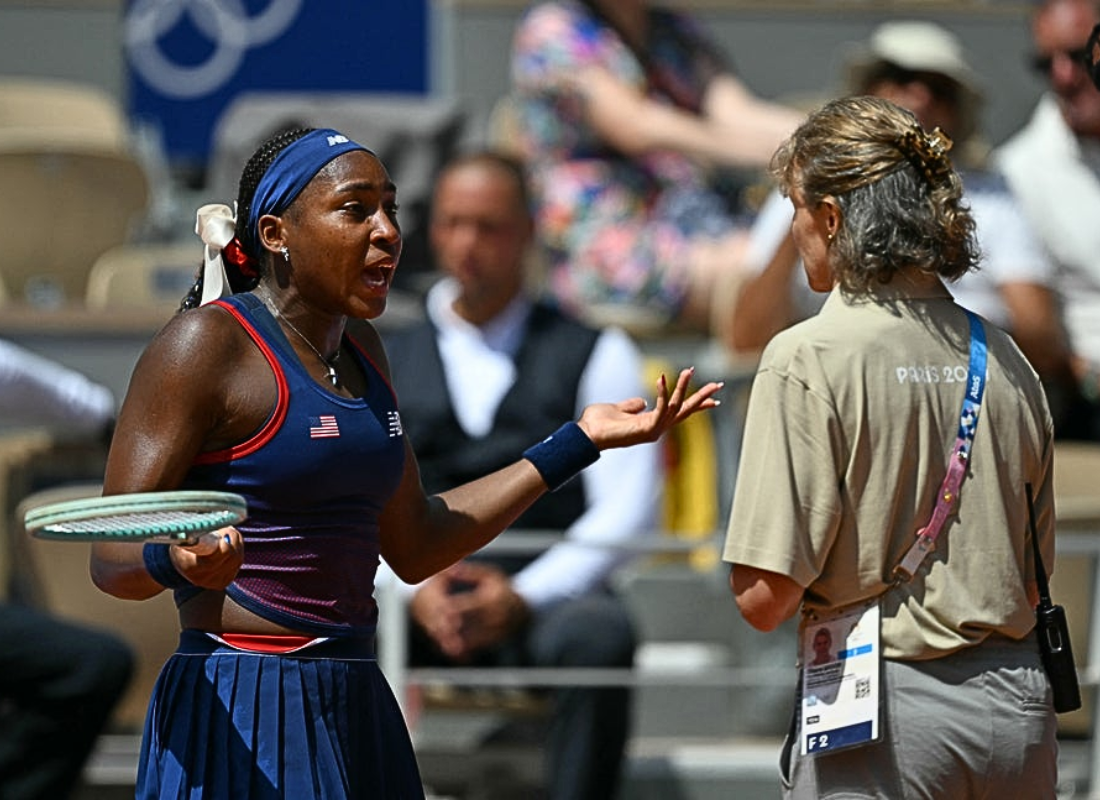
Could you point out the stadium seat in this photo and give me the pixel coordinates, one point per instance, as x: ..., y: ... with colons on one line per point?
x: 72, y: 187
x: 145, y: 276
x: 64, y: 588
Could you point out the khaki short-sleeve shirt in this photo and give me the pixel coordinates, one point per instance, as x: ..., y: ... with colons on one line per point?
x: 852, y: 416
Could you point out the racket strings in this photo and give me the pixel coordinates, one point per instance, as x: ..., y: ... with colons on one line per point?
x: 150, y: 522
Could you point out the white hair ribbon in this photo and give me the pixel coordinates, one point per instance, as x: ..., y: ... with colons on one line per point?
x: 216, y: 225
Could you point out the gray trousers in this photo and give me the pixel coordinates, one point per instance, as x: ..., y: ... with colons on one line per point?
x: 974, y: 725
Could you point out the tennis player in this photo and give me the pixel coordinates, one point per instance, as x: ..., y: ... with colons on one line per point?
x: 274, y: 691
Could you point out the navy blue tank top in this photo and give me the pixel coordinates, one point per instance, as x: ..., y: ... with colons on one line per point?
x: 316, y: 475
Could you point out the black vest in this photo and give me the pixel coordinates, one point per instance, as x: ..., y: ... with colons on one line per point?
x: 549, y: 364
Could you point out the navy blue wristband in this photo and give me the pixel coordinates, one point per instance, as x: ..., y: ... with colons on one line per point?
x: 158, y: 563
x: 562, y: 454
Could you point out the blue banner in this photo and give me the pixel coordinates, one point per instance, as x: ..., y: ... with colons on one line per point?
x: 186, y: 60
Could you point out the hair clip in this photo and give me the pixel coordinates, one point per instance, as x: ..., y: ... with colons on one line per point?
x: 927, y: 152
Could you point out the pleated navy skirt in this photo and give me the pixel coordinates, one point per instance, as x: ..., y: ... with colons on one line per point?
x: 318, y: 724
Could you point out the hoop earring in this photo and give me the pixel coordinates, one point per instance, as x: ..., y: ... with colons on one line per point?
x: 286, y: 253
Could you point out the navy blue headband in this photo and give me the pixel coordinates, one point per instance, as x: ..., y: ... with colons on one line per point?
x: 292, y: 170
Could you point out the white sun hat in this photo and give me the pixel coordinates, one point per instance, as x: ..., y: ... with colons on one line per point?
x: 918, y: 46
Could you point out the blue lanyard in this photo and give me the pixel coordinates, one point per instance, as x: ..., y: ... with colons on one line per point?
x: 956, y: 468
x: 975, y: 383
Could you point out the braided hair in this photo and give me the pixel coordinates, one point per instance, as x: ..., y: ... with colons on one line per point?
x: 244, y: 271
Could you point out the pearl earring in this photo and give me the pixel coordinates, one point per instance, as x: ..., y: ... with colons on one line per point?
x: 286, y: 253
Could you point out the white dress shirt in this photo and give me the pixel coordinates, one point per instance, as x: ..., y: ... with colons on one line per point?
x: 1056, y: 176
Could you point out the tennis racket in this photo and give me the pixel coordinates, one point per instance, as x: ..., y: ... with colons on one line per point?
x: 178, y: 517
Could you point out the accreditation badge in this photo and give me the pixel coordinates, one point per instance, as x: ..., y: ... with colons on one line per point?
x: 841, y: 679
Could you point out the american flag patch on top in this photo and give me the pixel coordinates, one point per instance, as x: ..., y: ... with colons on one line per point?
x: 323, y: 427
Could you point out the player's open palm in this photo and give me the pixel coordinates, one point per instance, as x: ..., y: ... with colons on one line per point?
x: 629, y: 422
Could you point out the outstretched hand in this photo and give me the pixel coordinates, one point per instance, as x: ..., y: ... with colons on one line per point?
x: 628, y: 423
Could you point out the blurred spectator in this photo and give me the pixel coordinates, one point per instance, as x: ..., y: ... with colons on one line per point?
x: 490, y: 369
x: 920, y: 66
x: 59, y: 682
x: 1053, y: 165
x: 623, y: 113
x: 37, y: 391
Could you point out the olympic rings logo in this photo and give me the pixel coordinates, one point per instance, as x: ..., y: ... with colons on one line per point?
x: 225, y: 22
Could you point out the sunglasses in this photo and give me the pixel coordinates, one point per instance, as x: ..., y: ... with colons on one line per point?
x: 1043, y: 62
x: 1092, y: 56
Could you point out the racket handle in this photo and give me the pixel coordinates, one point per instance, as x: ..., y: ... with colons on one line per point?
x: 206, y: 544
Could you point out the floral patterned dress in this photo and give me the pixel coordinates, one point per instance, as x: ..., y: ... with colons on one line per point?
x: 615, y: 229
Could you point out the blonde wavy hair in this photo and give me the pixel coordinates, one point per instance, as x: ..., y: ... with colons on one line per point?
x: 901, y: 201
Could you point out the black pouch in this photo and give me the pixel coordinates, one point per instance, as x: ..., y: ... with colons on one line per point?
x: 1057, y: 655
x: 1053, y: 632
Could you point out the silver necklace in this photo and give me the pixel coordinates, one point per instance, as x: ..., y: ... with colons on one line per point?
x: 330, y: 363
